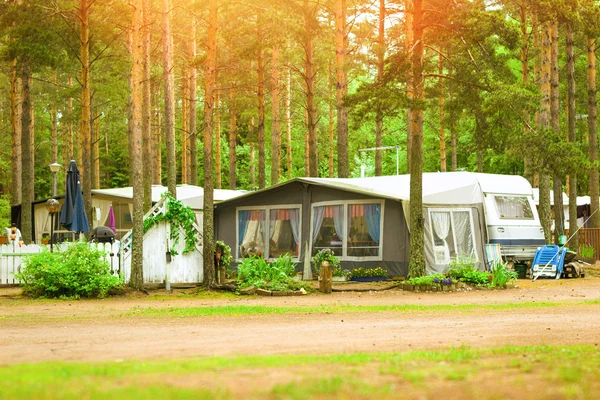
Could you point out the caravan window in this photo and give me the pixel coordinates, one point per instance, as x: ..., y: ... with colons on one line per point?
x: 513, y: 207
x: 270, y: 231
x: 452, y: 234
x: 352, y: 229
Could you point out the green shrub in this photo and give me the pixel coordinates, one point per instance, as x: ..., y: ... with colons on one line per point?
x: 464, y: 270
x: 501, y: 275
x: 4, y: 214
x: 428, y: 280
x: 276, y: 276
x: 79, y: 271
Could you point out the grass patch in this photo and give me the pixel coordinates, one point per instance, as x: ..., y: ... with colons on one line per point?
x: 241, y: 310
x: 563, y: 371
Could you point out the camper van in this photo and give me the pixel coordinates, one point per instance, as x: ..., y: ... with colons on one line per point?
x: 511, y: 216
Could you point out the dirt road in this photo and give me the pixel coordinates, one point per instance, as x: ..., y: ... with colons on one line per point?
x: 95, y: 330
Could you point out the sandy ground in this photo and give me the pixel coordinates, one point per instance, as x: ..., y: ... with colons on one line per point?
x: 96, y: 330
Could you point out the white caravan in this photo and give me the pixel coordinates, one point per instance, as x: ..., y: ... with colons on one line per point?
x: 511, y: 216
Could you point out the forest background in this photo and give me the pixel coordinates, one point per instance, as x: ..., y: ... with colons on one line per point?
x: 243, y: 94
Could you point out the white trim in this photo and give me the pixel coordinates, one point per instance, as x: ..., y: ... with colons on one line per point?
x: 267, y: 210
x: 345, y: 204
x: 452, y: 211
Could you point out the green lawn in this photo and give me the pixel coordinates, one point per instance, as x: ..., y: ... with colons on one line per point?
x: 508, y: 372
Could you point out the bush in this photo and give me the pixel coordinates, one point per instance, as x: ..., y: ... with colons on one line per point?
x: 463, y: 269
x: 79, y: 271
x: 368, y: 273
x: 501, y: 275
x: 275, y: 276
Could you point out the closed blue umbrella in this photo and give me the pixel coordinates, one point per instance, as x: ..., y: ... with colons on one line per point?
x: 72, y: 215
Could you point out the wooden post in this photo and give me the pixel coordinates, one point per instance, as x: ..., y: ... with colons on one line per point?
x: 326, y: 274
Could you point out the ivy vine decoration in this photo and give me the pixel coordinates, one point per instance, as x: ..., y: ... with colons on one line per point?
x: 225, y: 251
x: 178, y: 216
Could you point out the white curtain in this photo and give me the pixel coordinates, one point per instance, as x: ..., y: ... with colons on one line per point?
x: 338, y: 221
x: 441, y: 224
x: 463, y: 233
x: 41, y: 220
x: 104, y: 206
x: 318, y: 213
x: 295, y: 222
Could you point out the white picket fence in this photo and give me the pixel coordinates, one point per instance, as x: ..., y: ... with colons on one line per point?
x: 13, y: 255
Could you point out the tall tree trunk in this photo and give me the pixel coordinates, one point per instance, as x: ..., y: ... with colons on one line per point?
x: 276, y: 122
x: 441, y: 110
x: 54, y: 122
x: 555, y: 116
x: 261, y: 104
x: 341, y: 87
x: 96, y: 151
x: 209, y: 101
x: 311, y: 78
x: 409, y: 40
x: 452, y: 128
x: 537, y: 76
x: 169, y: 99
x: 380, y: 71
x: 331, y: 121
x: 232, y: 140
x: 70, y: 155
x: 86, y: 111
x: 15, y: 125
x: 593, y: 132
x: 572, y: 133
x: 252, y: 157
x: 185, y: 134
x: 157, y: 136
x: 27, y: 194
x: 545, y: 116
x: 417, y: 251
x: 137, y: 163
x: 192, y: 105
x: 130, y: 106
x: 527, y: 163
x: 306, y: 145
x: 147, y: 152
x: 218, y: 140
x: 288, y: 121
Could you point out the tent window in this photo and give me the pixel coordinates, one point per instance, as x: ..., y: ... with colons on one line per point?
x: 513, y: 207
x: 271, y: 232
x: 364, y: 230
x: 328, y: 229
x: 351, y: 229
x: 452, y: 232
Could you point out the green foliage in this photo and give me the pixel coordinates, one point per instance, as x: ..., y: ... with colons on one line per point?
x: 368, y: 272
x: 225, y: 251
x: 4, y: 214
x: 79, y: 271
x: 325, y: 255
x: 277, y: 276
x: 428, y: 280
x: 179, y: 217
x: 501, y: 275
x: 338, y: 271
x: 463, y: 269
x: 586, y: 250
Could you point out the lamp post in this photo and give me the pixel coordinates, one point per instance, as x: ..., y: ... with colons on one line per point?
x: 53, y: 206
x: 54, y: 167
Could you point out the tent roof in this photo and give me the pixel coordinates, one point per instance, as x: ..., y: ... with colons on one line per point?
x: 188, y: 194
x: 438, y: 187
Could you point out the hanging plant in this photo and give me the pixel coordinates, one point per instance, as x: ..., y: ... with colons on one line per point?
x: 178, y: 216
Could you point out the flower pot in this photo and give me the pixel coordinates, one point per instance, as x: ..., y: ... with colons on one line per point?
x: 369, y: 279
x: 3, y: 239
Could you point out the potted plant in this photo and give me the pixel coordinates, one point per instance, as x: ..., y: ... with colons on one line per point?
x: 339, y: 274
x: 325, y: 261
x: 368, y: 274
x: 45, y: 239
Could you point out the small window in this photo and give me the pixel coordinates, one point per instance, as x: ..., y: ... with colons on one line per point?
x: 513, y: 207
x: 363, y: 230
